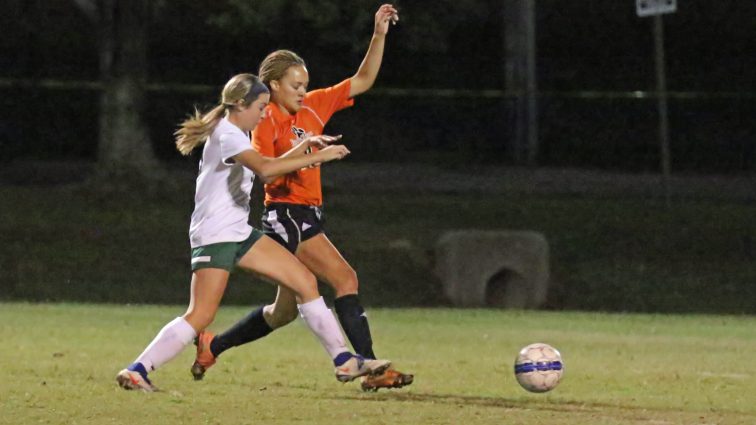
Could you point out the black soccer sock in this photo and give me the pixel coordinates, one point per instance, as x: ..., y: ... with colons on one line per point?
x: 355, y: 324
x: 245, y: 330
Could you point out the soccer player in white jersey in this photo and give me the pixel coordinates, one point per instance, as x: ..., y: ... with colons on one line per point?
x: 221, y: 238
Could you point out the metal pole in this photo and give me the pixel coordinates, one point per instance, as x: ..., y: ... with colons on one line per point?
x: 661, y: 88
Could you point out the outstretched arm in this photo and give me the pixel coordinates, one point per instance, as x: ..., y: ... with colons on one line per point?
x: 368, y: 71
x: 320, y: 141
x: 270, y: 168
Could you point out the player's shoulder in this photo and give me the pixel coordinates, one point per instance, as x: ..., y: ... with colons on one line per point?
x: 267, y: 129
x: 334, y: 90
x: 310, y: 113
x: 271, y: 121
x: 267, y: 121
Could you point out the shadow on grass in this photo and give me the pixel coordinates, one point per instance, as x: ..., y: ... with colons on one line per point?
x: 496, y: 402
x: 573, y: 406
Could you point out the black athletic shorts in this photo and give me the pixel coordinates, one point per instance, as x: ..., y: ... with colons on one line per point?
x: 290, y: 224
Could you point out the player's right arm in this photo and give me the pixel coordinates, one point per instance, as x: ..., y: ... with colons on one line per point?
x: 320, y: 142
x: 269, y: 168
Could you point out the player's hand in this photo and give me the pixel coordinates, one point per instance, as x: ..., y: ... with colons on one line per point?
x: 321, y: 141
x: 385, y: 14
x: 334, y: 152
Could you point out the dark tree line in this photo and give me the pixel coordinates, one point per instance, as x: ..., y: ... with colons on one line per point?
x: 467, y: 44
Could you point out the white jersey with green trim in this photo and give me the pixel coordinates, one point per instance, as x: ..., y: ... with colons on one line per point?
x: 221, y: 201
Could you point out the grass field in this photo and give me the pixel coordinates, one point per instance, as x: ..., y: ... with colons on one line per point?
x: 59, y: 362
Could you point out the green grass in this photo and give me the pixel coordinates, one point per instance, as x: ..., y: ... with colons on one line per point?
x: 59, y: 362
x: 64, y: 243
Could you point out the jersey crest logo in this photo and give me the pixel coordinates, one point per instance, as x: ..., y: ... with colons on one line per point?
x: 300, y: 134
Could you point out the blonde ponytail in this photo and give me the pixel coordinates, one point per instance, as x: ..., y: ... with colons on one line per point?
x: 196, y: 129
x: 240, y: 90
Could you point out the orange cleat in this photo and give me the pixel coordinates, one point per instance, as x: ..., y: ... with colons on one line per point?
x: 358, y: 366
x: 391, y: 378
x: 205, y: 357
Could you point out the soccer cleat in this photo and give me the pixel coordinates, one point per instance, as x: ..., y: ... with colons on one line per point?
x: 133, y: 380
x: 205, y: 357
x: 358, y: 366
x: 391, y: 378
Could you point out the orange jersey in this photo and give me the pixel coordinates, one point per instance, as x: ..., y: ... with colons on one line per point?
x: 280, y: 131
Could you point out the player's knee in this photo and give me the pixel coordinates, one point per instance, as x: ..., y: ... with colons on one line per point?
x: 307, y: 284
x: 200, y: 320
x: 348, y: 282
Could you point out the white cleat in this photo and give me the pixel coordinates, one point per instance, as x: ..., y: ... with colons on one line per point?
x: 130, y: 380
x: 359, y: 366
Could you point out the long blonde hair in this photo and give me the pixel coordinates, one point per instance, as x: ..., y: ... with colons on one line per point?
x: 240, y: 90
x: 274, y: 66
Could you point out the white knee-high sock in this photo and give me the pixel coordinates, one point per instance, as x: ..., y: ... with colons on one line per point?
x: 168, y: 343
x: 324, y: 326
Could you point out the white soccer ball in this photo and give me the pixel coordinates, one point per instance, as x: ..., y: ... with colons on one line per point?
x: 538, y: 367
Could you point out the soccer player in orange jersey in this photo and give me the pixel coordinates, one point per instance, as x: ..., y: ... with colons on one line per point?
x: 293, y: 213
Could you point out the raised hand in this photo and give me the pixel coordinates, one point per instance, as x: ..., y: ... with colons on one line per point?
x: 385, y: 13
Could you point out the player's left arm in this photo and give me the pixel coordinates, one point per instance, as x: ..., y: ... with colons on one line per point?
x: 368, y: 70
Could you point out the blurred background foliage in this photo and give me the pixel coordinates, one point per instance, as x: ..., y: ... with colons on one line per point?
x: 451, y: 44
x: 590, y: 60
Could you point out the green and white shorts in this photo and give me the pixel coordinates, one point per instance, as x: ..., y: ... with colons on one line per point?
x: 223, y: 255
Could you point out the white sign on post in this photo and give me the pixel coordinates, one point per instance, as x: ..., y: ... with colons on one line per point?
x: 654, y: 7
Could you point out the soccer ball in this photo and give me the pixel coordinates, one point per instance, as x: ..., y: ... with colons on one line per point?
x: 538, y: 367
